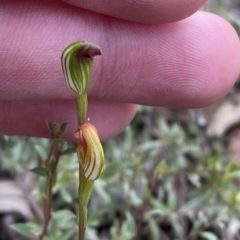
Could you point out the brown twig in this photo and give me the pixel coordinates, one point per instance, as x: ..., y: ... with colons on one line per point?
x: 54, y: 150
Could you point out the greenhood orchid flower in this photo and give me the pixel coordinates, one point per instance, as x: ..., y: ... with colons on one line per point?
x: 89, y: 151
x: 77, y: 61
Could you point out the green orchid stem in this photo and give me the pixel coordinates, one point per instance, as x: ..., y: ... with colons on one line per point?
x: 84, y: 193
x: 82, y: 105
x: 85, y: 185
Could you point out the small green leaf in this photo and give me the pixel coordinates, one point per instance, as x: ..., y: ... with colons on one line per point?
x: 66, y: 236
x: 69, y: 151
x: 30, y: 230
x: 66, y: 196
x: 50, y: 125
x: 160, y: 169
x: 232, y: 167
x: 41, y: 152
x: 154, y: 229
x: 63, y: 127
x: 65, y: 215
x: 128, y: 227
x: 100, y: 188
x: 209, y: 236
x: 40, y: 171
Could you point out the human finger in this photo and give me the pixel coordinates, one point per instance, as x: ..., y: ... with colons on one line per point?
x: 190, y: 63
x: 28, y: 118
x: 142, y: 11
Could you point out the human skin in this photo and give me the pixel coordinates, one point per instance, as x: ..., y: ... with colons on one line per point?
x: 156, y: 53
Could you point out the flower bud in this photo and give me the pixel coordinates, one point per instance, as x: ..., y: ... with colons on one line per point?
x: 89, y: 151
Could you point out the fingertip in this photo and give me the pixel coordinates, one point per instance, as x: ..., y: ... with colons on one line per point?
x: 219, y: 58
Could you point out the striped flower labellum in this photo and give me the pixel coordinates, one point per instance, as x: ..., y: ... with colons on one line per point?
x: 77, y: 61
x: 89, y: 151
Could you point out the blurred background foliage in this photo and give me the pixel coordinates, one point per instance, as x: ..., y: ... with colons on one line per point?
x: 165, y: 178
